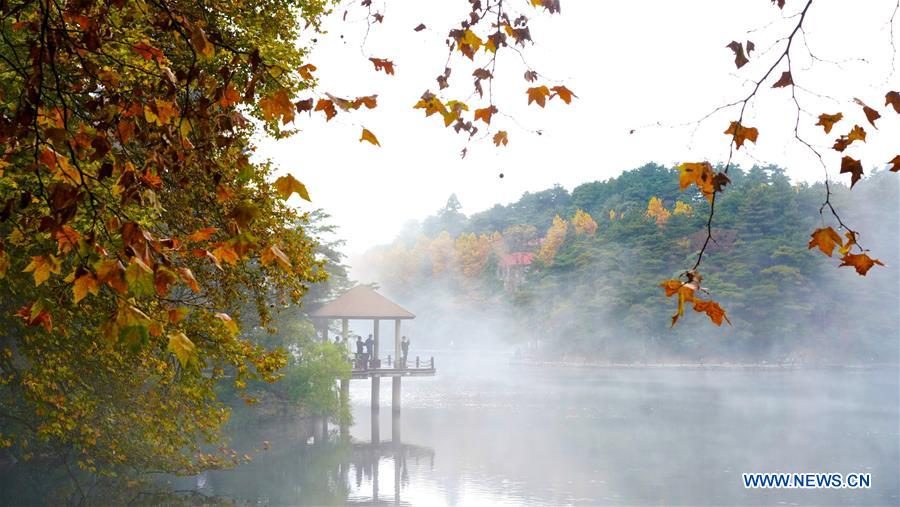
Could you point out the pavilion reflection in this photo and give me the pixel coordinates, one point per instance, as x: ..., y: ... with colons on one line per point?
x: 365, y: 459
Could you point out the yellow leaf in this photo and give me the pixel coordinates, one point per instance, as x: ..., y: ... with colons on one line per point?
x: 84, y: 285
x: 698, y: 173
x: 287, y: 185
x: 42, y: 266
x: 274, y: 253
x: 4, y: 263
x: 182, y: 347
x: 229, y: 323
x: 367, y: 135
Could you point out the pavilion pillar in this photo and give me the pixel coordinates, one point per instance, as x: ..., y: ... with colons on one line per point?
x: 397, y: 339
x: 343, y: 414
x: 395, y: 395
x: 376, y: 380
x: 375, y: 337
x: 324, y: 330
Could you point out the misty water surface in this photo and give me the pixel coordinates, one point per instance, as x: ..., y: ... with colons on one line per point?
x: 487, y: 432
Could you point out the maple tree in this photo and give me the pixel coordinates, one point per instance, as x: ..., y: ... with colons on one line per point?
x: 135, y: 224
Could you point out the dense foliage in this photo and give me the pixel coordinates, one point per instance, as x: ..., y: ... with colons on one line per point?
x: 136, y: 231
x: 598, y: 250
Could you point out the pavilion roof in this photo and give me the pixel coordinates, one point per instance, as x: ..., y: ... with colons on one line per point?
x: 362, y: 302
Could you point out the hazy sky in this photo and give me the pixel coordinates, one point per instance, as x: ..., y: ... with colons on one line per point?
x: 632, y: 65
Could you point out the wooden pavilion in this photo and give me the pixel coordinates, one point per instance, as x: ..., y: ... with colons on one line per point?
x: 365, y: 303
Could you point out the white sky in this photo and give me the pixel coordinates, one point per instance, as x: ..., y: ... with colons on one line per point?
x: 632, y: 64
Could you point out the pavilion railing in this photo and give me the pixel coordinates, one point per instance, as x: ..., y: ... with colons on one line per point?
x: 364, y: 364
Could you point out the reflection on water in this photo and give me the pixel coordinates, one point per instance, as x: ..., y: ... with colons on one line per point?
x: 486, y: 432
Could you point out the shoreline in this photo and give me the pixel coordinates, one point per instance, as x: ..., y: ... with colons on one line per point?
x: 705, y: 366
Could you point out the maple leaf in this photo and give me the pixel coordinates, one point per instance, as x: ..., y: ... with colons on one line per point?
x: 327, y: 107
x: 861, y: 262
x: 700, y: 174
x: 306, y: 71
x: 162, y: 279
x: 229, y: 323
x: 367, y: 135
x: 564, y: 93
x: 893, y: 99
x: 779, y: 3
x: 273, y: 253
x: 531, y: 76
x: 182, y: 347
x: 828, y: 120
x: 896, y: 164
x: 484, y: 114
x: 287, y: 185
x: 201, y: 43
x: 685, y: 294
x: 202, y: 234
x: 34, y: 314
x: 469, y: 43
x: 538, y: 94
x: 41, y: 266
x: 84, y: 285
x: 856, y: 134
x: 712, y: 310
x: 111, y: 272
x: 384, y: 65
x: 66, y: 239
x: 826, y: 239
x: 852, y: 166
x: 370, y: 101
x: 229, y: 96
x: 870, y: 113
x: 785, y: 80
x: 501, y: 138
x: 739, y: 58
x: 188, y: 278
x: 740, y: 133
x: 278, y: 105
x: 419, y: 27
x: 225, y: 253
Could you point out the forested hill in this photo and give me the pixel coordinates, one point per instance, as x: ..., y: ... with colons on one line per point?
x: 577, y: 273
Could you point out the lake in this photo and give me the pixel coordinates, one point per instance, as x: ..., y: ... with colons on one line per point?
x: 485, y: 431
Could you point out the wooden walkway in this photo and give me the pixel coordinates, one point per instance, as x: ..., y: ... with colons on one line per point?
x: 389, y: 368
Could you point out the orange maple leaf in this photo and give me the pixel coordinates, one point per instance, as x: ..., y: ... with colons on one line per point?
x: 740, y: 133
x: 367, y: 135
x: 327, y: 107
x: 861, y: 262
x: 826, y: 239
x: 501, y: 138
x: 564, y: 93
x: 828, y: 120
x: 871, y: 114
x: 484, y: 114
x: 538, y: 94
x: 384, y: 65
